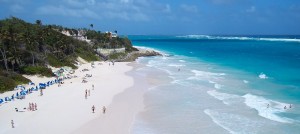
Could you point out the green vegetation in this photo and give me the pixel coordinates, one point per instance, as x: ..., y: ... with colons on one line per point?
x: 10, y: 80
x: 27, y: 48
x: 32, y: 70
x: 115, y: 56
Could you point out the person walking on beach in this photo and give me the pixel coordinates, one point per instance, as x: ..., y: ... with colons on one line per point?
x: 35, y: 106
x: 41, y: 92
x: 103, y: 109
x: 93, y: 109
x: 85, y: 93
x: 30, y: 108
x: 12, y: 124
x: 93, y: 86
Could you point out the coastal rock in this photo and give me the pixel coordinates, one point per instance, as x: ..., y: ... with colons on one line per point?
x: 136, y: 54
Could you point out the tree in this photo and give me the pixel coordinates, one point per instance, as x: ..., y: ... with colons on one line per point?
x: 38, y: 22
x: 3, y: 53
x: 30, y: 43
x: 92, y: 25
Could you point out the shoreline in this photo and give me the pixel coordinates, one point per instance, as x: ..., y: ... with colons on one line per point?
x: 123, y: 109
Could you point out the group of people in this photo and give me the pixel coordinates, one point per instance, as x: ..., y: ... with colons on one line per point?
x: 285, y: 107
x: 32, y: 107
x: 88, y: 92
x: 103, y: 109
x: 112, y: 63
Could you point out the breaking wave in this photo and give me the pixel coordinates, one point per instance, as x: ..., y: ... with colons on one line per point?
x: 237, y: 38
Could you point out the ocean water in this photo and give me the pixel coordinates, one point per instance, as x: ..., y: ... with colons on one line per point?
x: 221, y: 84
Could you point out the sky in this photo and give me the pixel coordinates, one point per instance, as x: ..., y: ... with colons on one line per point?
x: 163, y: 17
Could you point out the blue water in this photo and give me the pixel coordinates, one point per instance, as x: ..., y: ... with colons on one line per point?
x: 222, y: 84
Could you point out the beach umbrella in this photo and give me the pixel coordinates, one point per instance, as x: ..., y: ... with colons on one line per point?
x: 42, y: 85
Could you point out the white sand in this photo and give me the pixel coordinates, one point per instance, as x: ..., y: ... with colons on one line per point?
x: 63, y: 110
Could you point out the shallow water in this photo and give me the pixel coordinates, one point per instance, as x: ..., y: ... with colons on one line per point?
x: 221, y: 85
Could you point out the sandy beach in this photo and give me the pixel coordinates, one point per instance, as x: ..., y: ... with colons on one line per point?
x: 65, y: 109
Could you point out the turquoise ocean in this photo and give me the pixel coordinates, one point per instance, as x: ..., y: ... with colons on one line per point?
x: 221, y: 84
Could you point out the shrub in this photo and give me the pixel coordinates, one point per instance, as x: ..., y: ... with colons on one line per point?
x: 6, y: 84
x: 31, y: 70
x: 89, y: 57
x: 115, y: 56
x: 55, y: 62
x: 19, y: 79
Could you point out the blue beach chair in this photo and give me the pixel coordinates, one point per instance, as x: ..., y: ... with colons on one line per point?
x: 7, y: 99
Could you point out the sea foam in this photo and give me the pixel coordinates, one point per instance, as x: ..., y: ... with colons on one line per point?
x: 176, y: 65
x: 209, y: 76
x: 245, y: 81
x: 262, y: 76
x: 269, y: 112
x: 224, y: 97
x: 237, y: 38
x: 229, y: 122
